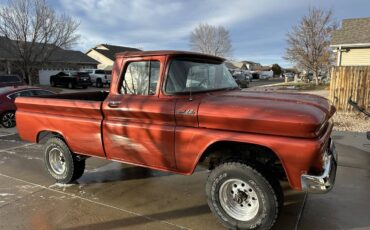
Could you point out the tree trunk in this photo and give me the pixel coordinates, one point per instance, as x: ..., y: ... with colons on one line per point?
x: 26, y: 75
x: 316, y: 77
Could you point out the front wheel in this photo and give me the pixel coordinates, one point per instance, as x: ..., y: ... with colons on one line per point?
x: 8, y: 119
x: 243, y: 197
x: 61, y: 164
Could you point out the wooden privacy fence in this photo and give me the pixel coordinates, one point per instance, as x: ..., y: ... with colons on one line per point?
x: 349, y: 81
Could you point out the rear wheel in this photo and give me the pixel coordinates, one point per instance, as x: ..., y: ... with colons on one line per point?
x: 99, y: 83
x: 61, y: 164
x: 70, y: 85
x: 8, y: 119
x: 52, y: 83
x: 243, y: 197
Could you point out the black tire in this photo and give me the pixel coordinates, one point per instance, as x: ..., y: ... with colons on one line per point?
x: 99, y: 83
x: 71, y: 85
x: 8, y: 119
x: 72, y: 169
x: 84, y: 87
x: 262, y: 194
x: 52, y: 83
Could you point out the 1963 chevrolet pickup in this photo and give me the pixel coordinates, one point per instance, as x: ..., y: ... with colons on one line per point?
x: 173, y: 111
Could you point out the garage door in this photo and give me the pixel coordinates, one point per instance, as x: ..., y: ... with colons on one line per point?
x: 44, y: 75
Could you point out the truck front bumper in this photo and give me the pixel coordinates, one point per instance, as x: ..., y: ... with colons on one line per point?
x: 322, y: 183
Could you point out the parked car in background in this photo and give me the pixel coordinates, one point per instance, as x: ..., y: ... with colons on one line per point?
x: 248, y: 75
x: 255, y: 75
x: 11, y: 80
x: 241, y: 79
x: 266, y: 75
x: 71, y: 79
x: 289, y: 75
x: 100, y: 77
x: 7, y: 98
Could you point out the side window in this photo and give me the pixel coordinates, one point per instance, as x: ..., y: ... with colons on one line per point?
x: 22, y: 94
x: 41, y: 92
x: 140, y: 78
x: 98, y: 71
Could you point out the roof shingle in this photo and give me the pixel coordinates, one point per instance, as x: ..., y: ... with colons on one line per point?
x: 353, y: 31
x: 8, y: 52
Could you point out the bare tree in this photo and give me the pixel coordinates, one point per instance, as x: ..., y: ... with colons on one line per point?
x: 213, y: 40
x: 34, y: 32
x: 308, y: 42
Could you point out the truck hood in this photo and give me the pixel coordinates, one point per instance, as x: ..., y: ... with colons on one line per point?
x: 273, y: 113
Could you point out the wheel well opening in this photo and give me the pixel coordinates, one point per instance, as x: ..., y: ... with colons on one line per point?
x: 44, y: 136
x: 226, y: 151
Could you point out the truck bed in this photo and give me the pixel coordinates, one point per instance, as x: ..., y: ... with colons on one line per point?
x: 73, y: 114
x: 81, y: 96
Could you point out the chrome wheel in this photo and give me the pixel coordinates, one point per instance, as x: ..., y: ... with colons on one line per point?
x: 239, y: 200
x: 57, y: 161
x: 8, y: 120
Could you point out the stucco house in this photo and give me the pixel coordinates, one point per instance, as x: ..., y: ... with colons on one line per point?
x: 351, y: 42
x: 105, y: 54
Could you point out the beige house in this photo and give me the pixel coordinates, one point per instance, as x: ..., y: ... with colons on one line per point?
x: 351, y: 42
x: 105, y: 54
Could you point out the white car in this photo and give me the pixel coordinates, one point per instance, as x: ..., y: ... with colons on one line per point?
x: 100, y: 77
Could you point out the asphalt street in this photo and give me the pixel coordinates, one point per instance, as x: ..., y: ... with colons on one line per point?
x: 112, y: 195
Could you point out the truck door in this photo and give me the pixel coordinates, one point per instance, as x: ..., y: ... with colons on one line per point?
x: 139, y: 125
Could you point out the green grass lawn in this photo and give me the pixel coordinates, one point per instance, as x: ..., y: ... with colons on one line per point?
x: 303, y: 86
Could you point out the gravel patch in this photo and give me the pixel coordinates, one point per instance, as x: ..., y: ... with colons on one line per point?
x: 351, y: 122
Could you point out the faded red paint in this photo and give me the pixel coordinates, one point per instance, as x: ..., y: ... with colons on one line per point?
x: 170, y: 133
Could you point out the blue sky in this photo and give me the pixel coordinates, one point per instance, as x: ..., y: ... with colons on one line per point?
x: 257, y: 28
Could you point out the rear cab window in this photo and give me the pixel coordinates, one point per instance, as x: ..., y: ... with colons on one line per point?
x: 99, y: 71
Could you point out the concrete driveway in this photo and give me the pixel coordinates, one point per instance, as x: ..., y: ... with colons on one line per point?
x: 111, y: 195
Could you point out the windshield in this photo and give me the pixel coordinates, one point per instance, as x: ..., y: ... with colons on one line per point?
x: 186, y: 76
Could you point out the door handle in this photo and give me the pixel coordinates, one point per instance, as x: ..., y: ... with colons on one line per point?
x: 114, y: 104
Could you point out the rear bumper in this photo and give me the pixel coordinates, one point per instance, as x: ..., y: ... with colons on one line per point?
x: 83, y: 83
x: 322, y: 183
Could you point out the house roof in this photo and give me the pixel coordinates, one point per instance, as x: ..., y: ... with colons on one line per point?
x: 230, y: 65
x: 110, y: 51
x: 8, y: 52
x: 354, y: 32
x: 71, y: 56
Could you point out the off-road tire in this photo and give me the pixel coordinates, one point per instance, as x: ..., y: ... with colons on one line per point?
x: 74, y: 168
x: 267, y: 188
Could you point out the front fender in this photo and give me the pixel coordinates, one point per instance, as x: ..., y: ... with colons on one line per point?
x: 297, y: 155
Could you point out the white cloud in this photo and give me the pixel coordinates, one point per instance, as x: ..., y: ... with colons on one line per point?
x: 157, y: 24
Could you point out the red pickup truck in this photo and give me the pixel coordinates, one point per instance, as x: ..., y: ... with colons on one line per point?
x: 173, y: 111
